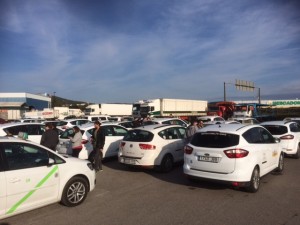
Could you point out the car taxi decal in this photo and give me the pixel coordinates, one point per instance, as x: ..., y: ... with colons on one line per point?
x: 12, y: 209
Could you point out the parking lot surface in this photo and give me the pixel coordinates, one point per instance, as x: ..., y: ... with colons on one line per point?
x: 128, y: 196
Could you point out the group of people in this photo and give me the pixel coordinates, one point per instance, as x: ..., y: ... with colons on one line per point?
x: 50, y: 140
x: 195, y: 125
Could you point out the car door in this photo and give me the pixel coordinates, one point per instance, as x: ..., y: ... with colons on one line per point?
x: 181, y: 131
x: 260, y: 151
x: 30, y: 181
x: 272, y: 149
x: 173, y: 142
x: 2, y: 188
x: 113, y: 136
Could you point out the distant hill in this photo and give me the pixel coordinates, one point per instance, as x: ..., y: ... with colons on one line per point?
x: 62, y: 102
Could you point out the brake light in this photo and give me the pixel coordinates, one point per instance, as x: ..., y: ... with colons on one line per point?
x: 188, y: 150
x: 122, y: 144
x: 236, y: 153
x: 287, y: 137
x: 147, y: 147
x: 84, y: 141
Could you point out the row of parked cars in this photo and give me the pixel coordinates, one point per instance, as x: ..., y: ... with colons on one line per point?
x: 237, y: 153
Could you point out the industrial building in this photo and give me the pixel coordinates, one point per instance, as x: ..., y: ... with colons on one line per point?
x: 14, y: 105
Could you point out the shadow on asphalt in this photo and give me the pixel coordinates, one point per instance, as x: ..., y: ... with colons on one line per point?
x: 175, y: 176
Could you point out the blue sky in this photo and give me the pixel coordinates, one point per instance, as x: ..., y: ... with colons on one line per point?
x: 110, y: 51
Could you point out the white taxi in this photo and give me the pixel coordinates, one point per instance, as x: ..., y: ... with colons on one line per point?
x: 32, y: 176
x: 235, y: 153
x: 153, y: 146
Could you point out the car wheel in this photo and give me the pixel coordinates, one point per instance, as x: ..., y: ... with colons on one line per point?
x: 166, y: 163
x: 297, y: 155
x: 255, y: 181
x: 280, y: 166
x: 75, y: 192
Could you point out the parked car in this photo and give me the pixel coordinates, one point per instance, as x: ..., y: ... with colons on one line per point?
x: 171, y: 121
x: 153, y: 146
x: 33, y: 130
x: 206, y: 119
x: 33, y: 176
x: 233, y: 153
x: 289, y: 134
x: 113, y: 135
x: 245, y: 120
x: 64, y: 124
x: 293, y: 119
x: 97, y: 117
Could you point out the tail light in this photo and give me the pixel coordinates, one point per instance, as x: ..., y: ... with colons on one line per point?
x: 84, y: 141
x: 122, y: 144
x: 188, y: 150
x: 147, y: 147
x: 236, y: 153
x: 287, y: 137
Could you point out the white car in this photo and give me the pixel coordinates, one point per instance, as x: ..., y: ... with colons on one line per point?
x: 113, y: 135
x: 245, y: 120
x: 65, y: 124
x: 153, y: 146
x: 289, y: 134
x: 32, y: 176
x: 208, y: 119
x: 293, y: 119
x: 33, y: 130
x: 235, y: 153
x: 170, y: 121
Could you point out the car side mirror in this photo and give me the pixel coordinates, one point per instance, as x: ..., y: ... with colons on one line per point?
x: 277, y: 140
x: 51, y: 162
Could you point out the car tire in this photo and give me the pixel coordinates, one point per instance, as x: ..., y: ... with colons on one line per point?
x: 255, y: 181
x: 280, y: 166
x: 75, y: 192
x: 166, y: 163
x: 297, y: 155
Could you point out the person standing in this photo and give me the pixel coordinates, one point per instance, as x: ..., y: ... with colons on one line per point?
x: 192, y: 129
x: 50, y: 137
x: 76, y: 141
x: 98, y: 140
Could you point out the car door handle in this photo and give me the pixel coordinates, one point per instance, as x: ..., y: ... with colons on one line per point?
x: 14, y: 180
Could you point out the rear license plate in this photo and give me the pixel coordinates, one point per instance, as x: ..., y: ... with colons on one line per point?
x: 208, y: 159
x: 129, y: 161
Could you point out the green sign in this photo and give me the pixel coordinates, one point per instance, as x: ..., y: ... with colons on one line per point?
x: 286, y: 103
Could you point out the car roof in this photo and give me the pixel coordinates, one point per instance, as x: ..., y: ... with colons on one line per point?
x: 91, y: 125
x: 4, y: 125
x: 13, y: 139
x: 208, y: 117
x: 277, y: 123
x: 157, y: 127
x: 227, y: 128
x: 71, y: 120
x: 164, y: 119
x: 292, y: 118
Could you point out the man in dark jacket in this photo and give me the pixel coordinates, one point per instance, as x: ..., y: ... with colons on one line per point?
x: 50, y: 137
x: 98, y: 140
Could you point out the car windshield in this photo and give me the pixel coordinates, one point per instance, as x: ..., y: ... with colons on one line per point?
x: 276, y: 129
x: 214, y: 140
x: 139, y: 136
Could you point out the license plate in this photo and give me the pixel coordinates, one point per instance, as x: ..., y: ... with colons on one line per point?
x: 129, y: 161
x: 208, y: 159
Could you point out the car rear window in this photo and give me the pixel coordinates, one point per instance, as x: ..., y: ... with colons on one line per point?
x: 215, y: 140
x: 276, y: 129
x: 139, y: 136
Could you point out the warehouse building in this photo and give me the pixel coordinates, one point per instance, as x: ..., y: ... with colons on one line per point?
x: 14, y: 105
